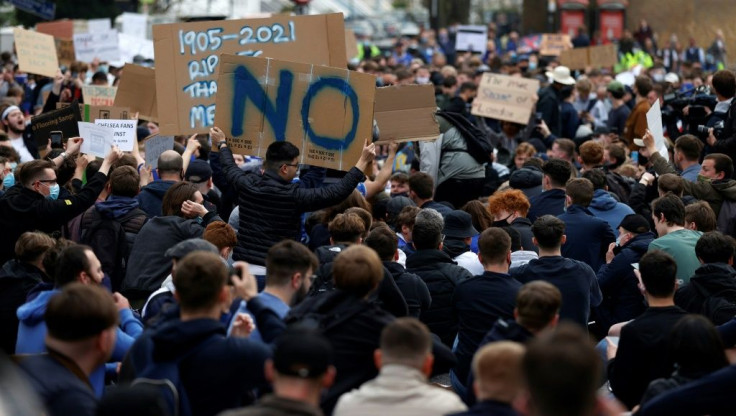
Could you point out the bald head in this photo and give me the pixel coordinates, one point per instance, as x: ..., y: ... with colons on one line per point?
x: 170, y: 165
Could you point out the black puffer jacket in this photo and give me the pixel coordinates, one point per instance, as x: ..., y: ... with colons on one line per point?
x: 412, y: 287
x: 441, y: 275
x: 270, y: 207
x: 714, y: 279
x: 16, y: 281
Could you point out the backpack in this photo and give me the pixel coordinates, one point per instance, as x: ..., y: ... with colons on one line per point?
x: 163, y: 377
x: 478, y: 144
x: 109, y: 241
x: 719, y: 307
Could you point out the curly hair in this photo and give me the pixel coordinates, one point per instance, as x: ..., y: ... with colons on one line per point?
x: 510, y: 200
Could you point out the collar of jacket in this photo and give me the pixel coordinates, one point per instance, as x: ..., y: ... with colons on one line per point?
x: 577, y: 209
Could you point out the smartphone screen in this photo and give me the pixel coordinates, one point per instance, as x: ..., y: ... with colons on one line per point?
x: 56, y: 139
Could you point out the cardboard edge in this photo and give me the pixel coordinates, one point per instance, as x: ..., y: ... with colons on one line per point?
x: 335, y: 24
x: 166, y: 85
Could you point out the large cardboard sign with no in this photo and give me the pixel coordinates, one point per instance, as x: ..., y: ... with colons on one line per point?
x: 406, y: 113
x: 505, y: 98
x: 137, y: 91
x: 326, y: 112
x: 188, y: 56
x: 553, y: 44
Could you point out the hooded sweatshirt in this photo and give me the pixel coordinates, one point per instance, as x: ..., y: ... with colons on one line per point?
x: 714, y: 279
x: 606, y: 207
x: 115, y: 207
x: 32, y: 334
x: 152, y: 195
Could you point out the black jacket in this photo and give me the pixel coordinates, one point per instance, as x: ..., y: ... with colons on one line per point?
x: 549, y: 105
x: 588, y: 237
x: 714, y: 280
x: 413, y: 288
x: 16, y: 280
x: 550, y: 202
x: 271, y: 208
x: 524, y: 227
x: 622, y: 299
x: 22, y: 209
x: 726, y: 142
x: 441, y: 275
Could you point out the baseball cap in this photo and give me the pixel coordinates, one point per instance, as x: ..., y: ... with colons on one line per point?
x: 198, y: 171
x: 187, y: 246
x: 302, y: 353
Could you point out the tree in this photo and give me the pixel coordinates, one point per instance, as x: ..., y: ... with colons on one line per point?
x: 70, y: 9
x: 450, y: 11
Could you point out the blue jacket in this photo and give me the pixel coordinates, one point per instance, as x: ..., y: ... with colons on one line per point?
x: 605, y: 207
x: 622, y: 299
x: 588, y: 237
x: 151, y: 197
x: 550, y: 202
x: 217, y: 376
x: 32, y: 334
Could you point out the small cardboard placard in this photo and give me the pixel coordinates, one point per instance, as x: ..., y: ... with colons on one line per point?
x: 36, y: 52
x: 102, y: 45
x: 65, y: 51
x: 406, y: 113
x: 97, y: 139
x: 63, y: 119
x: 99, y: 95
x: 63, y: 29
x: 90, y: 113
x: 188, y: 56
x: 553, y: 44
x: 472, y: 39
x: 505, y: 98
x: 326, y: 112
x: 123, y: 132
x: 595, y: 56
x: 137, y: 91
x: 155, y: 145
x: 576, y: 58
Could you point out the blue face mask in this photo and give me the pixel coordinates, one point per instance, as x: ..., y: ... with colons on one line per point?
x: 9, y: 180
x: 13, y: 165
x: 103, y: 68
x: 54, y: 191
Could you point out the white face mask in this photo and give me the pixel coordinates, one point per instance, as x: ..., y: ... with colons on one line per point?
x: 422, y: 80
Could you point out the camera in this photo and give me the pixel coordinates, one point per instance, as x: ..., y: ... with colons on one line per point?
x: 717, y: 129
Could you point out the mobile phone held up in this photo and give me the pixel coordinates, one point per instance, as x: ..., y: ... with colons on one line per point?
x: 57, y: 138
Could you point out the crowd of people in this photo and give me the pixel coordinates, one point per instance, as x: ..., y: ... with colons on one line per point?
x: 575, y: 265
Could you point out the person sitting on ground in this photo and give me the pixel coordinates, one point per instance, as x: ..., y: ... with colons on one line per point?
x: 510, y: 208
x: 82, y: 322
x: 405, y: 361
x: 668, y: 214
x: 404, y: 226
x: 459, y: 232
x: 552, y: 201
x: 482, y: 219
x: 603, y: 205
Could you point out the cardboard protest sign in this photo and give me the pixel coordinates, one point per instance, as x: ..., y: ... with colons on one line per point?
x: 131, y: 46
x: 577, y: 58
x: 135, y: 24
x: 102, y: 45
x: 351, y: 44
x: 64, y: 119
x: 65, y: 51
x: 137, y: 91
x: 63, y: 29
x: 654, y: 124
x: 36, y: 52
x: 472, y: 38
x: 97, y: 139
x: 594, y: 56
x: 155, y: 145
x: 123, y: 132
x: 188, y: 54
x: 99, y: 95
x: 406, y: 113
x: 505, y: 98
x: 553, y: 44
x: 326, y: 112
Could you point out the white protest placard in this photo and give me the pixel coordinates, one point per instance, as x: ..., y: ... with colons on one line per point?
x: 97, y: 139
x: 472, y: 38
x: 654, y: 124
x: 102, y: 45
x: 131, y: 46
x: 155, y: 145
x: 505, y: 98
x: 135, y: 24
x: 36, y: 52
x: 100, y: 95
x: 123, y: 132
x: 98, y: 25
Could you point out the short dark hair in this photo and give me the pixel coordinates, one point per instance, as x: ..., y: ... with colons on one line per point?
x: 72, y: 261
x: 364, y: 215
x: 558, y: 171
x: 548, y: 230
x: 724, y: 82
x: 427, y: 231
x: 515, y: 237
x: 695, y: 345
x: 468, y: 86
x: 31, y: 245
x: 357, y: 270
x: 405, y: 341
x: 30, y: 172
x: 566, y: 145
x: 616, y: 151
x: 383, y: 241
x: 449, y: 81
x: 80, y: 312
x: 124, y: 181
x: 671, y: 207
x: 537, y: 304
x: 346, y: 228
x: 715, y: 247
x: 407, y: 216
x: 702, y: 215
x: 170, y: 163
x: 422, y: 184
x: 279, y: 153
x: 399, y: 177
x: 658, y: 273
x: 669, y: 182
x: 643, y: 85
x: 690, y: 146
x: 721, y: 163
x: 175, y: 197
x: 494, y: 244
x: 580, y: 191
x: 99, y: 76
x: 199, y: 277
x: 597, y: 177
x: 562, y: 371
x: 286, y: 258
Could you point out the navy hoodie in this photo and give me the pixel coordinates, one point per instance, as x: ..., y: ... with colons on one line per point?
x: 550, y: 202
x: 151, y: 197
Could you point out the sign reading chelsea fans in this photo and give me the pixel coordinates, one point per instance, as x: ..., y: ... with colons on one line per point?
x: 188, y: 56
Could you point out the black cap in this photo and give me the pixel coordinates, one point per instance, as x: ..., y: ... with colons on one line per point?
x: 635, y: 223
x: 459, y: 224
x: 397, y: 203
x: 302, y: 353
x: 527, y: 179
x: 187, y: 246
x: 198, y: 171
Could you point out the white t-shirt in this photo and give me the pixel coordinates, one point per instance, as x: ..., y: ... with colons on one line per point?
x: 20, y: 147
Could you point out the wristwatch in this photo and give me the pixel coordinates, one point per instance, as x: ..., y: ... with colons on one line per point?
x: 221, y: 143
x: 63, y: 155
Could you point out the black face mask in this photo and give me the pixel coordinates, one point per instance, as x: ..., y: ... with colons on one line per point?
x: 502, y: 223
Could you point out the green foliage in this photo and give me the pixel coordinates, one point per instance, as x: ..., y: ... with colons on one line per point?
x: 400, y: 4
x: 70, y: 9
